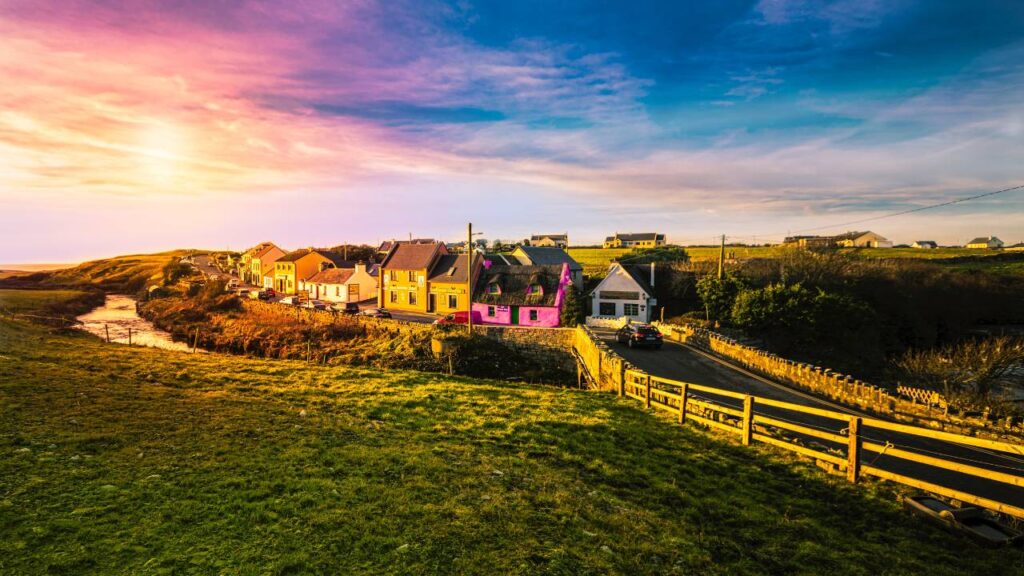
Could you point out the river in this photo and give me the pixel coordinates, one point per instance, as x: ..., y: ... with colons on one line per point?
x: 118, y: 315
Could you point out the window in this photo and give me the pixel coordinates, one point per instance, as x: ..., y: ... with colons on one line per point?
x: 412, y: 275
x: 453, y: 301
x: 337, y: 290
x: 630, y: 309
x: 490, y: 311
x: 535, y: 290
x: 493, y: 288
x: 607, y: 308
x: 353, y: 291
x: 412, y: 297
x: 533, y: 315
x: 394, y: 296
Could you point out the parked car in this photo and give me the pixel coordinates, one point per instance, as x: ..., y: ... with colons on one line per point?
x: 376, y: 313
x: 461, y: 317
x: 243, y: 292
x: 266, y: 294
x: 290, y: 300
x: 636, y: 335
x: 231, y: 285
x: 346, y: 307
x: 314, y: 304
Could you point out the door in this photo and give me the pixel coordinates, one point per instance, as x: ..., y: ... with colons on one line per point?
x: 431, y: 302
x: 515, y: 315
x: 353, y: 293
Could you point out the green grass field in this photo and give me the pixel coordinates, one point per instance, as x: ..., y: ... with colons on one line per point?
x: 595, y: 261
x: 34, y: 300
x: 139, y: 461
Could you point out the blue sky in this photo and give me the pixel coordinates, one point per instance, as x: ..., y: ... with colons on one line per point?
x: 360, y: 121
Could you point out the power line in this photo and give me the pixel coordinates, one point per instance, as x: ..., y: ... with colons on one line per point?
x: 904, y: 212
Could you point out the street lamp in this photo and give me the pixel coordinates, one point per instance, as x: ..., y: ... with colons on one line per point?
x: 469, y: 275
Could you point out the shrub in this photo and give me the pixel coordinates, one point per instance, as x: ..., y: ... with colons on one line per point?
x: 718, y: 295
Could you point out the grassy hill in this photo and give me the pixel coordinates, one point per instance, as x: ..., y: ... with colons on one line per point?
x: 125, y: 274
x: 141, y: 461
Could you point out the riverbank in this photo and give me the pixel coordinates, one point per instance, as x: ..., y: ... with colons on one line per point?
x: 117, y: 321
x: 141, y: 460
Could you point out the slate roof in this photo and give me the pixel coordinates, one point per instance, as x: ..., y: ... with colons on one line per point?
x: 543, y: 256
x: 641, y: 274
x: 983, y: 240
x: 453, y: 263
x: 639, y: 236
x: 926, y: 243
x: 556, y: 237
x: 405, y: 256
x: 514, y: 281
x: 334, y: 257
x: 503, y: 259
x: 331, y: 276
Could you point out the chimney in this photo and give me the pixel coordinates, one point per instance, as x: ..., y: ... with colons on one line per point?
x: 652, y: 274
x: 360, y: 267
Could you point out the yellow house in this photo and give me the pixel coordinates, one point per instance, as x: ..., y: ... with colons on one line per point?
x: 640, y: 240
x: 404, y: 273
x: 983, y: 243
x: 447, y: 284
x: 302, y: 265
x: 262, y: 262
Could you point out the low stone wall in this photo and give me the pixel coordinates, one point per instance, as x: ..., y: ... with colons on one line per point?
x: 924, y: 409
x: 606, y: 322
x: 549, y: 345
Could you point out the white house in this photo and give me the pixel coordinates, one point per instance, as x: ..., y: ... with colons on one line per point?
x: 862, y: 240
x: 342, y: 284
x: 985, y: 243
x: 925, y: 244
x: 626, y: 292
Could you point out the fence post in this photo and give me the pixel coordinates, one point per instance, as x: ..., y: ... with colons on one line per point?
x: 853, y: 452
x: 647, y: 395
x: 195, y: 341
x: 748, y: 419
x: 106, y: 328
x: 622, y: 379
x: 683, y: 391
x: 129, y: 336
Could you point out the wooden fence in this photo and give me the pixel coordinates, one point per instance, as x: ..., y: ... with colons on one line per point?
x: 707, y: 406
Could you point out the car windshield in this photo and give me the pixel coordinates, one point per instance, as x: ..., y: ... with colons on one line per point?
x: 646, y: 331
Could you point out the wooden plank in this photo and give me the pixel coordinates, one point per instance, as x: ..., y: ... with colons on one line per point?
x: 804, y: 409
x: 714, y: 424
x: 946, y: 436
x: 943, y: 491
x: 647, y: 391
x: 830, y: 436
x: 985, y: 473
x: 716, y: 407
x: 810, y: 452
x: 683, y: 392
x: 699, y: 388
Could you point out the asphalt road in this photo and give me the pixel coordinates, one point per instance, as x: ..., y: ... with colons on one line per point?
x: 679, y: 362
x: 209, y: 270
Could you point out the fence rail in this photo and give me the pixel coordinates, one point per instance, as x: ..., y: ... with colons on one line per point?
x: 840, y: 439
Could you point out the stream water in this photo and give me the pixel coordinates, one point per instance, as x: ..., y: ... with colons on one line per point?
x: 117, y: 315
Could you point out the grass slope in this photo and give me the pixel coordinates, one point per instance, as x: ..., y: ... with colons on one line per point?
x: 129, y: 460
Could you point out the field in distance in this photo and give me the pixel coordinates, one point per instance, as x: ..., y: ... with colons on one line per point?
x: 132, y: 460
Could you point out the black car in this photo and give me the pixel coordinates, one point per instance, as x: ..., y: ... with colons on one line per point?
x: 636, y: 335
x: 346, y: 308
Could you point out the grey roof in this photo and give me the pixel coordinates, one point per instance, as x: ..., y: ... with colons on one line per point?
x: 639, y: 236
x: 405, y: 256
x: 641, y: 274
x: 503, y: 259
x: 984, y: 240
x: 552, y: 236
x: 545, y: 256
x: 450, y: 268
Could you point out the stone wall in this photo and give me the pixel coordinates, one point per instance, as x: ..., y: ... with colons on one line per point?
x: 924, y: 409
x: 548, y: 345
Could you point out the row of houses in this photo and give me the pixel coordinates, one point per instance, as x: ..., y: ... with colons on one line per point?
x: 870, y: 239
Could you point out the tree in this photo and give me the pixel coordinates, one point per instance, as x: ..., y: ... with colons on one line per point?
x: 718, y: 295
x: 572, y: 307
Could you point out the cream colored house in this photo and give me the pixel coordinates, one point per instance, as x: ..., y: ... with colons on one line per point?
x: 982, y: 243
x: 550, y: 240
x: 639, y: 240
x: 342, y: 284
x: 862, y: 240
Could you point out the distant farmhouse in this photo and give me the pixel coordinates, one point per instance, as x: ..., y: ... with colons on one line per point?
x: 982, y: 243
x: 638, y: 240
x: 549, y: 241
x: 925, y: 244
x: 866, y: 239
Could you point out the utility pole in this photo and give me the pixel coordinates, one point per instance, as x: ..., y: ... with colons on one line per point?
x: 469, y: 276
x: 721, y: 258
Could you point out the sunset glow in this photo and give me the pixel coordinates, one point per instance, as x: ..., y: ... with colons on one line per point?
x: 155, y: 125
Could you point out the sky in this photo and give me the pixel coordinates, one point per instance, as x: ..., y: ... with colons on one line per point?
x: 141, y: 126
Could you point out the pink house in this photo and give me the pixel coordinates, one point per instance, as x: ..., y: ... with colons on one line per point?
x: 521, y: 295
